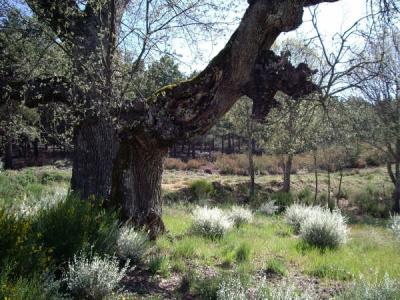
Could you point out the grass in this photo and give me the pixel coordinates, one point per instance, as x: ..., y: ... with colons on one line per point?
x: 376, y: 244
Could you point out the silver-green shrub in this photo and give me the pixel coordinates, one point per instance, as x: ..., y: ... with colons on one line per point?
x: 386, y: 289
x: 297, y: 213
x: 210, y: 222
x: 93, y: 277
x: 269, y: 208
x: 132, y: 245
x: 324, y: 229
x: 233, y: 289
x: 240, y: 215
x: 394, y: 225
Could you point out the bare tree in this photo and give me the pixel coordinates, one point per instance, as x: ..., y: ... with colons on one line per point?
x: 378, y: 121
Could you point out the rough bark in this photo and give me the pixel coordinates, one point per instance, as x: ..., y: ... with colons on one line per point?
x: 396, y: 197
x: 136, y: 188
x: 95, y: 146
x: 8, y: 155
x: 286, y: 173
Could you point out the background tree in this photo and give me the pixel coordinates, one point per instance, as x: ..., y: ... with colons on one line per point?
x: 378, y: 117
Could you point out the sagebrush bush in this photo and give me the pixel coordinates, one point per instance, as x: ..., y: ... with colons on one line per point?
x: 132, y: 245
x: 234, y: 289
x: 324, y: 229
x: 296, y: 214
x: 394, y: 225
x: 240, y: 215
x: 210, y: 222
x: 386, y: 289
x: 93, y: 277
x: 269, y: 208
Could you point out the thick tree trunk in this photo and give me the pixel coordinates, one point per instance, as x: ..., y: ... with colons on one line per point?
x: 95, y: 146
x: 286, y: 173
x: 8, y: 155
x: 396, y: 196
x: 136, y: 187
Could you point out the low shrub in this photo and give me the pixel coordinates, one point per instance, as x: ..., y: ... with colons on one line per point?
x: 269, y: 208
x: 283, y: 200
x: 296, y: 214
x: 93, y: 277
x: 201, y: 189
x: 394, y: 225
x: 373, y: 200
x: 174, y: 164
x: 227, y: 164
x: 234, y: 289
x: 19, y: 247
x: 243, y: 253
x: 240, y: 215
x: 324, y: 229
x: 210, y: 222
x: 132, y: 245
x: 195, y: 164
x: 386, y: 289
x: 277, y: 267
x: 73, y: 225
x: 34, y: 287
x: 306, y: 196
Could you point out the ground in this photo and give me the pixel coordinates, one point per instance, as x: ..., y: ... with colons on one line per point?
x: 274, y: 253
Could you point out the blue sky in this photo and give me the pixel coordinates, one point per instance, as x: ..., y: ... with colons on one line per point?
x: 332, y: 18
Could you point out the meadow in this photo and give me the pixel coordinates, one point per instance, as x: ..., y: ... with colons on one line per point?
x: 45, y: 230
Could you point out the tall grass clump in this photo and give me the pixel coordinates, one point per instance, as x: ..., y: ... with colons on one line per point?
x: 394, y: 225
x: 240, y: 215
x: 386, y: 289
x: 93, y: 277
x: 324, y: 229
x: 132, y: 245
x: 210, y: 222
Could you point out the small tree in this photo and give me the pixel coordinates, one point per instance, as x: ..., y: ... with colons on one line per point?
x: 378, y: 117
